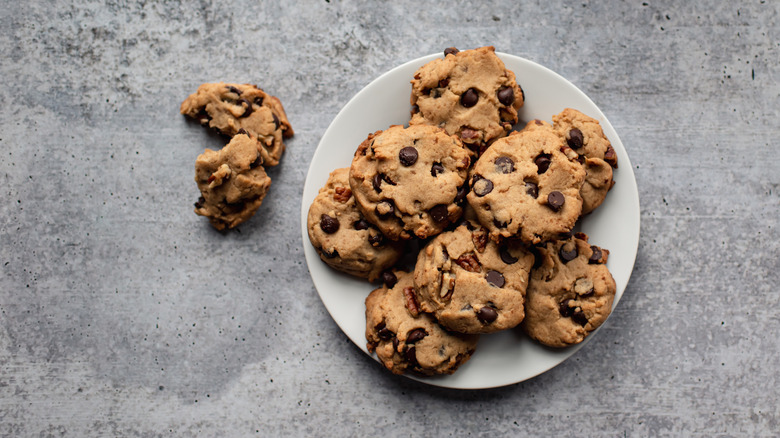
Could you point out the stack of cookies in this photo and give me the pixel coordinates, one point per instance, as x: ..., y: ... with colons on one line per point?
x: 232, y: 181
x: 490, y: 209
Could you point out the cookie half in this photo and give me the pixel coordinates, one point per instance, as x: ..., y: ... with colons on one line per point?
x: 344, y: 239
x: 472, y: 284
x: 234, y: 108
x: 410, y: 181
x: 570, y: 293
x: 470, y: 93
x: 405, y: 339
x: 584, y: 136
x: 232, y: 183
x: 527, y: 185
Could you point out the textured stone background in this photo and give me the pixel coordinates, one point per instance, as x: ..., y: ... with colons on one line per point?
x: 124, y: 314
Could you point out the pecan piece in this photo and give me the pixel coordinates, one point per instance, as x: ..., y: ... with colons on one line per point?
x: 479, y: 239
x: 469, y: 262
x: 411, y: 301
x: 342, y: 194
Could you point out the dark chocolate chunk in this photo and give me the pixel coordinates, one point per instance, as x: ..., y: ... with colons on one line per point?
x: 542, y: 162
x: 462, y: 192
x: 487, y: 314
x: 596, y: 256
x: 436, y: 169
x: 579, y: 317
x: 329, y: 224
x: 506, y: 96
x: 408, y: 156
x: 389, y: 279
x: 450, y: 51
x: 376, y: 239
x: 575, y: 138
x: 233, y: 89
x: 247, y: 108
x: 439, y: 213
x: 469, y: 98
x: 555, y: 200
x: 258, y: 101
x: 415, y: 335
x: 482, y: 186
x: 495, y: 278
x: 361, y: 224
x: 383, y: 332
x: 377, y: 182
x: 564, y: 308
x: 506, y: 257
x: 532, y: 189
x: 568, y: 255
x: 504, y: 165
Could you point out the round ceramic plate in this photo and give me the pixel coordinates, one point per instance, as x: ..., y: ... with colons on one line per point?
x: 506, y: 357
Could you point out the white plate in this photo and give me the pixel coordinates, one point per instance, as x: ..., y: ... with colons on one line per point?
x: 507, y: 357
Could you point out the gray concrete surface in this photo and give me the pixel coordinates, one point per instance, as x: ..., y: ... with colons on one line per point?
x: 124, y: 314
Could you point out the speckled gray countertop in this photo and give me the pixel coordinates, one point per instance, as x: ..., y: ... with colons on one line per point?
x: 122, y: 313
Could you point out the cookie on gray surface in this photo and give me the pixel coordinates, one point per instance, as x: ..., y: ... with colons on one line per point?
x: 470, y: 283
x: 470, y: 93
x: 584, y: 136
x: 232, y: 182
x: 405, y: 339
x: 410, y: 181
x: 570, y: 293
x: 234, y: 108
x: 341, y: 235
x: 527, y: 185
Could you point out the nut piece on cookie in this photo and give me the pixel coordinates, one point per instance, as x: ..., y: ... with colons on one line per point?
x: 410, y: 181
x: 470, y: 93
x: 232, y: 182
x: 406, y: 340
x: 584, y: 136
x: 470, y: 283
x: 235, y: 108
x: 345, y: 240
x: 570, y: 293
x: 527, y: 185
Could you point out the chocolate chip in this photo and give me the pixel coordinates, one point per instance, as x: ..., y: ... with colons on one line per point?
x: 506, y: 96
x: 506, y: 257
x: 436, y: 169
x: 377, y: 182
x: 579, y: 317
x: 330, y: 255
x: 258, y: 101
x: 596, y: 256
x: 247, y: 109
x: 203, y: 117
x: 444, y: 82
x: 469, y: 98
x: 611, y: 157
x: 575, y: 138
x: 482, y: 186
x: 487, y: 314
x: 504, y: 165
x: 542, y: 162
x: 495, y: 278
x: 233, y: 89
x: 415, y: 109
x: 329, y: 224
x: 376, y: 239
x: 439, y: 213
x: 389, y: 279
x: 395, y: 344
x: 564, y: 309
x: 360, y: 224
x: 408, y: 156
x: 555, y: 200
x: 568, y: 255
x: 450, y: 51
x: 415, y: 335
x: 200, y: 202
x: 462, y: 192
x: 532, y: 189
x: 276, y: 121
x: 411, y: 356
x: 383, y: 332
x: 258, y: 161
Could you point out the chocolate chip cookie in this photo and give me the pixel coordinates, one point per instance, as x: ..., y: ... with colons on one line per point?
x: 345, y: 240
x: 234, y: 108
x: 584, y: 135
x: 410, y: 181
x: 232, y: 182
x: 406, y: 339
x: 527, y: 185
x: 570, y: 293
x: 470, y: 283
x: 471, y: 94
